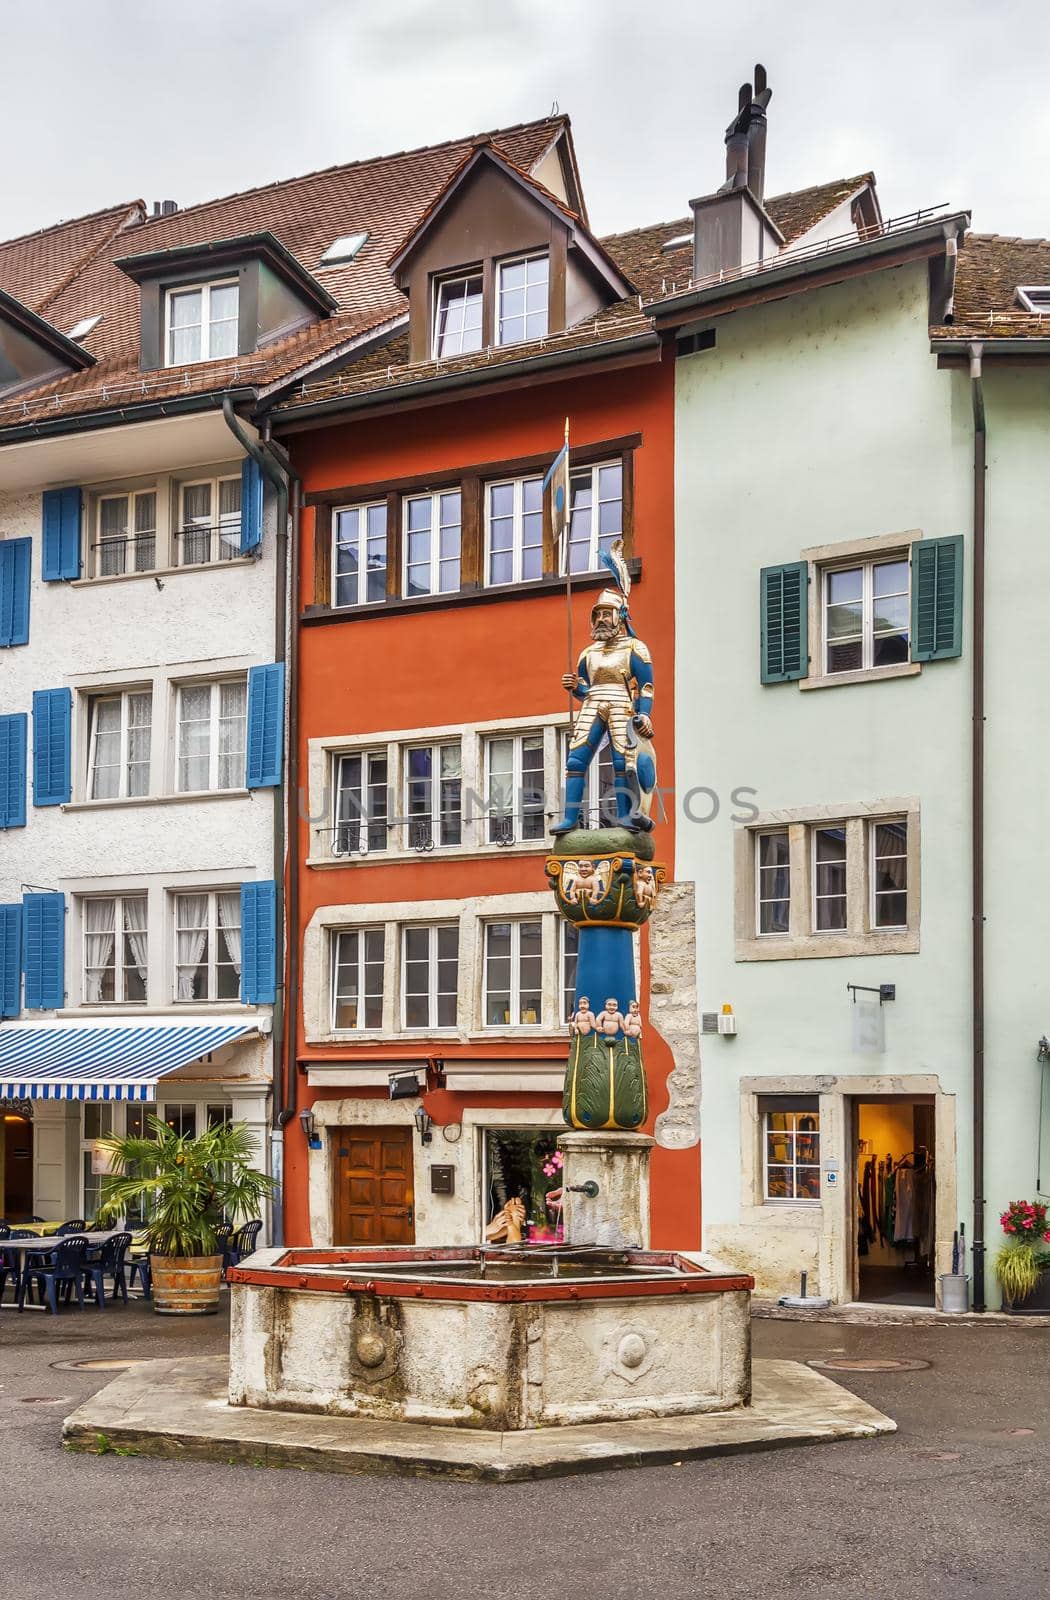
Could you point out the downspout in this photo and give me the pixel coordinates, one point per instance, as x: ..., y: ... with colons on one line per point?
x: 977, y: 818
x: 273, y: 463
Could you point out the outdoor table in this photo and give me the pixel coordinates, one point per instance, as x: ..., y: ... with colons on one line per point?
x: 41, y: 1229
x: 47, y: 1246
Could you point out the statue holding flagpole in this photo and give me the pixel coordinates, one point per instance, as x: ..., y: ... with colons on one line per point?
x: 605, y: 879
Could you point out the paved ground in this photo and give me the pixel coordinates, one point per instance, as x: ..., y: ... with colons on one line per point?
x: 952, y: 1505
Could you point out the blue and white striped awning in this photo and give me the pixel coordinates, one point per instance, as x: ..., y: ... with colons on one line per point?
x: 115, y: 1059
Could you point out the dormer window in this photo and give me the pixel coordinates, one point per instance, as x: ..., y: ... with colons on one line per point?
x: 457, y: 321
x: 523, y: 299
x: 1035, y: 297
x: 201, y: 322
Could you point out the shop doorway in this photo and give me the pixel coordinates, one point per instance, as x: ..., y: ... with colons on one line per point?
x: 374, y: 1201
x: 895, y: 1199
x: 523, y: 1165
x: 17, y: 1167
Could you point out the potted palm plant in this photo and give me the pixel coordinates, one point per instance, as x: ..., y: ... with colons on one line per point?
x: 184, y: 1186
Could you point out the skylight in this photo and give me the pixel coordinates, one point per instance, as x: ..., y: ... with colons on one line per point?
x: 344, y: 248
x: 678, y: 242
x: 1035, y: 297
x: 84, y: 327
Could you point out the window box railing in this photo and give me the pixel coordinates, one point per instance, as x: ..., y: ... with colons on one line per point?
x: 132, y: 552
x: 198, y: 545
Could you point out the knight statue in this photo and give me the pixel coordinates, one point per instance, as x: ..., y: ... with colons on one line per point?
x: 614, y: 683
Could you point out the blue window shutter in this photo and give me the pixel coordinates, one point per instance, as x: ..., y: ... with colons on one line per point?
x: 45, y: 951
x: 785, y: 622
x: 259, y: 943
x: 10, y: 960
x: 61, y: 558
x: 265, y: 726
x: 251, y: 505
x: 936, y: 598
x: 52, y: 718
x: 15, y: 556
x: 14, y: 738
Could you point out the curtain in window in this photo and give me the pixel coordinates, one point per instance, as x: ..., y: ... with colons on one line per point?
x: 196, y: 524
x: 191, y: 938
x: 233, y: 707
x: 140, y: 717
x: 105, y: 759
x: 135, y: 935
x: 229, y: 518
x: 100, y: 918
x: 230, y: 924
x: 194, y: 736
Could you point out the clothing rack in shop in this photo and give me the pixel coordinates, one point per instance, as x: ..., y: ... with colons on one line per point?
x: 921, y: 1165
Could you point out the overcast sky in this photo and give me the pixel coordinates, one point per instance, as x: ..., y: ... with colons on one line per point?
x: 113, y: 100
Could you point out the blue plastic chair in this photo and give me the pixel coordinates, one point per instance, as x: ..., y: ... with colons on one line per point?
x: 77, y: 1226
x: 140, y: 1265
x: 108, y: 1259
x: 65, y: 1267
x: 11, y: 1261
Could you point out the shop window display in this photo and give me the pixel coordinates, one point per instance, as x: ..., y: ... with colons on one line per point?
x: 524, y: 1165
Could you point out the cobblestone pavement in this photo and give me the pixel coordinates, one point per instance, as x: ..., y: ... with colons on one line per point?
x: 952, y: 1505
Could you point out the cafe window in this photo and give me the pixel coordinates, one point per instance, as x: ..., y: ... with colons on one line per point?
x: 790, y: 1148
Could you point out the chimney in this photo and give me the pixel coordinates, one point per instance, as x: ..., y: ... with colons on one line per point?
x: 165, y: 208
x: 731, y: 228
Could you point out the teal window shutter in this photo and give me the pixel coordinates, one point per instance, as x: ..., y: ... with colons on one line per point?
x: 259, y: 943
x: 61, y: 543
x: 15, y: 557
x: 44, y: 934
x: 52, y: 718
x: 251, y: 505
x: 936, y: 598
x: 265, y: 726
x: 10, y: 960
x: 785, y: 622
x: 14, y: 739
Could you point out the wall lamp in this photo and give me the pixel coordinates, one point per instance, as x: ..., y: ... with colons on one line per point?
x: 309, y: 1126
x: 424, y: 1122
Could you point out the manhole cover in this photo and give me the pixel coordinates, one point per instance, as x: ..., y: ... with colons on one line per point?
x: 46, y: 1399
x: 99, y: 1364
x: 870, y: 1364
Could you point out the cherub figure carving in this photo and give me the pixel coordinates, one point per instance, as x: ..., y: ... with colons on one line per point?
x: 587, y: 882
x: 644, y: 886
x: 632, y: 1025
x: 609, y: 1021
x: 583, y: 1019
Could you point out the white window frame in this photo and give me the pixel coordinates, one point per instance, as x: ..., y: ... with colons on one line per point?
x: 564, y: 997
x: 470, y: 275
x: 1035, y: 298
x: 517, y: 261
x: 435, y: 747
x: 432, y: 929
x: 434, y: 573
x: 518, y: 530
x: 866, y: 564
x: 123, y: 696
x: 593, y: 549
x: 131, y: 535
x: 873, y: 827
x: 516, y: 925
x: 220, y: 528
x: 759, y: 835
x: 364, y: 846
x: 363, y: 931
x: 796, y: 1199
x: 215, y: 685
x: 362, y: 507
x: 829, y: 826
x: 517, y: 738
x: 204, y: 289
x: 214, y: 932
x: 118, y: 899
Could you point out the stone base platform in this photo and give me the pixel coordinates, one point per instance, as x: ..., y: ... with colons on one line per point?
x: 177, y: 1409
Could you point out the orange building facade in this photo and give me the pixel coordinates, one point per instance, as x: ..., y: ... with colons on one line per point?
x: 396, y: 676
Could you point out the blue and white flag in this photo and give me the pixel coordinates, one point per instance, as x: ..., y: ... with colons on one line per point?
x: 558, y: 478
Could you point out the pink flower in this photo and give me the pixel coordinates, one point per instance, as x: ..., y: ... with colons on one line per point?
x: 1008, y: 1227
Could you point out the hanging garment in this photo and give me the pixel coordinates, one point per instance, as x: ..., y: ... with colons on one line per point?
x: 924, y: 1205
x: 905, y: 1223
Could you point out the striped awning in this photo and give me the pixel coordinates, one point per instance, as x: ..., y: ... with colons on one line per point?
x: 116, y: 1059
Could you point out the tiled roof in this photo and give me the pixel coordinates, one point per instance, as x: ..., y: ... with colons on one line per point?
x: 990, y: 269
x: 652, y: 269
x: 38, y: 266
x: 382, y: 196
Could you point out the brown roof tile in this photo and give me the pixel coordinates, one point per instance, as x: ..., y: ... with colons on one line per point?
x: 991, y: 267
x: 38, y: 266
x: 382, y: 196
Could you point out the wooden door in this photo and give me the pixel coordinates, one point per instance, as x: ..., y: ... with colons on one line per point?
x: 372, y: 1173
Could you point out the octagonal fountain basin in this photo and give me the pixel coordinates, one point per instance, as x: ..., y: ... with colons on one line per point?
x: 504, y: 1338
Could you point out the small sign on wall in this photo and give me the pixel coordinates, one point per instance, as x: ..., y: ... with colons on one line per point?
x: 443, y: 1179
x: 869, y: 1028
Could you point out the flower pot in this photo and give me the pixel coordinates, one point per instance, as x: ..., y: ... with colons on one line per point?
x: 186, y: 1286
x: 1037, y: 1304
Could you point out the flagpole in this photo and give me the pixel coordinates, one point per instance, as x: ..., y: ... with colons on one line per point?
x: 568, y: 576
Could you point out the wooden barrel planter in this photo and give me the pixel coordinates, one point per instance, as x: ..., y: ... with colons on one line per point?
x: 186, y: 1286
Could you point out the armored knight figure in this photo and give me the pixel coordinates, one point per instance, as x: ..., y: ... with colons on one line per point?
x: 614, y: 682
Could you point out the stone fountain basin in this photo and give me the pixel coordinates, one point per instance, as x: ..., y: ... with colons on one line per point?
x: 495, y: 1339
